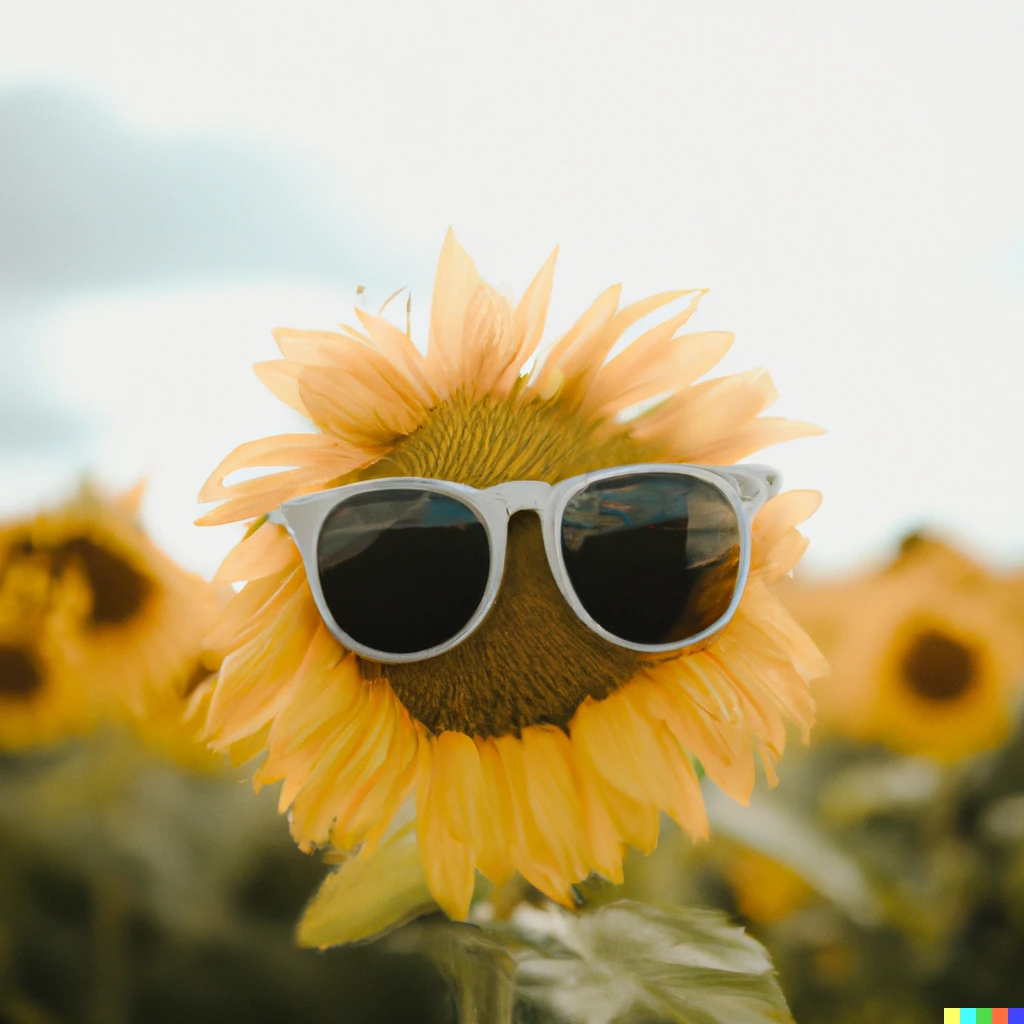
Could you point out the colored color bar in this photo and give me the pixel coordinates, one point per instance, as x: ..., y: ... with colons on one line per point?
x: 950, y: 1015
x: 968, y: 1015
x: 1015, y: 1015
x: 1000, y: 1015
x: 984, y: 1015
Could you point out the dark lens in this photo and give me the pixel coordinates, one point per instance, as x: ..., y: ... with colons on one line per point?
x: 403, y: 570
x: 653, y: 557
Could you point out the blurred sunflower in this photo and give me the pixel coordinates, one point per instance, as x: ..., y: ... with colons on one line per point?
x: 97, y: 623
x: 925, y: 655
x: 765, y: 890
x: 40, y: 700
x: 535, y: 745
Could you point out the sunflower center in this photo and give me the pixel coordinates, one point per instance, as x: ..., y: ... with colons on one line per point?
x: 491, y: 442
x: 938, y: 667
x: 118, y: 589
x: 532, y: 660
x: 20, y: 676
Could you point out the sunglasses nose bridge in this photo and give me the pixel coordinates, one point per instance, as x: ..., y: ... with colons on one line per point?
x: 521, y: 495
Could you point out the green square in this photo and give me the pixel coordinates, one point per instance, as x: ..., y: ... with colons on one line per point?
x: 984, y: 1016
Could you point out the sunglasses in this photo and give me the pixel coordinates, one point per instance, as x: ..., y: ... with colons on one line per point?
x: 652, y: 557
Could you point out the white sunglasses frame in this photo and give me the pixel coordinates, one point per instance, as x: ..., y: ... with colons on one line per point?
x: 746, y: 487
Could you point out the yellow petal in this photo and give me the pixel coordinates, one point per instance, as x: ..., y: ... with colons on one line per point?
x: 685, y: 804
x: 763, y: 432
x: 254, y: 678
x: 318, y: 465
x: 536, y: 856
x: 774, y: 524
x: 399, y: 349
x: 346, y: 771
x: 354, y: 411
x: 316, y: 348
x: 281, y: 378
x: 458, y: 780
x: 447, y: 863
x: 327, y: 688
x: 655, y: 364
x: 455, y: 284
x: 636, y: 821
x: 698, y: 418
x: 364, y: 801
x: 500, y: 831
x: 722, y: 749
x: 353, y: 354
x: 588, y: 354
x: 404, y: 782
x: 600, y: 730
x: 758, y: 714
x: 730, y: 764
x: 553, y: 780
x: 297, y: 764
x: 488, y: 342
x: 769, y: 617
x: 756, y: 656
x: 528, y: 324
x: 588, y: 327
x: 640, y: 757
x: 319, y: 455
x: 247, y: 748
x: 253, y: 609
x: 603, y: 836
x: 266, y: 551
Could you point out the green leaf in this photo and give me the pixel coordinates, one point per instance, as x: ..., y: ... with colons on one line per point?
x: 479, y: 970
x: 896, y: 785
x: 628, y: 962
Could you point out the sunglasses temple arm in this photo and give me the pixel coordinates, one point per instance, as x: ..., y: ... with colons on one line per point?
x: 772, y: 479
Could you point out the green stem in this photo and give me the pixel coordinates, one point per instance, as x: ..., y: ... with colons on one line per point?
x: 479, y: 970
x: 484, y: 990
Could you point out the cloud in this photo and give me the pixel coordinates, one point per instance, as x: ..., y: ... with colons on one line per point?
x: 32, y: 427
x: 88, y: 202
x: 92, y: 206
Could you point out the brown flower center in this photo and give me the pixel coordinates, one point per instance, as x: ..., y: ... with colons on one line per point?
x: 532, y: 660
x: 20, y: 675
x: 937, y: 667
x: 119, y: 590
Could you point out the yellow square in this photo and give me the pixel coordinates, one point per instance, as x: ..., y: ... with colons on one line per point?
x: 951, y: 1015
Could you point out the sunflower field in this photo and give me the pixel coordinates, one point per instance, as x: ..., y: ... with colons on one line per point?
x: 511, y: 701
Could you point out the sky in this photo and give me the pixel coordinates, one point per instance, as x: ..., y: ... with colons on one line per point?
x: 845, y: 178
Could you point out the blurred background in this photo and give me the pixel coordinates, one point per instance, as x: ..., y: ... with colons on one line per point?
x: 846, y: 180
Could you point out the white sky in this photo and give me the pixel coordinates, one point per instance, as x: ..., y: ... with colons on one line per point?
x: 846, y: 178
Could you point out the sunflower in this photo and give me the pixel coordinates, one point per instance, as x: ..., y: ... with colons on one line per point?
x: 96, y: 624
x: 765, y: 891
x: 535, y: 745
x: 39, y: 701
x: 925, y: 655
